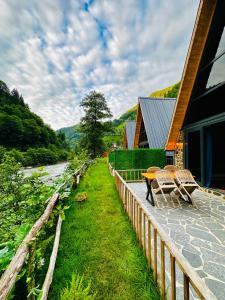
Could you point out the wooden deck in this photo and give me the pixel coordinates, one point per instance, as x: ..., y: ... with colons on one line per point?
x: 199, y: 234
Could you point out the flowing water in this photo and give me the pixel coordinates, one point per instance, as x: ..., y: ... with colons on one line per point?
x: 54, y: 171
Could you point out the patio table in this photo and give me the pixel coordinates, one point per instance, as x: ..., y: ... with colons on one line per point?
x: 149, y: 177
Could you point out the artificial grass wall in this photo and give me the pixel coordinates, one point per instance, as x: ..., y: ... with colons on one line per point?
x: 137, y: 158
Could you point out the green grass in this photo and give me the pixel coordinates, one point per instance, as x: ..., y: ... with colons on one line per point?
x: 97, y: 241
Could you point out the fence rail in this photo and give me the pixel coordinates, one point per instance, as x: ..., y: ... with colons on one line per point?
x: 156, y: 245
x: 132, y: 174
x: 9, y: 277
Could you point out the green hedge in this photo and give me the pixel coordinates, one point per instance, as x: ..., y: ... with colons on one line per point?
x: 137, y: 158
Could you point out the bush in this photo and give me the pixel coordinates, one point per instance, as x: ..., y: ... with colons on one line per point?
x: 36, y: 156
x: 17, y: 155
x: 77, y: 290
x: 2, y: 152
x: 137, y: 158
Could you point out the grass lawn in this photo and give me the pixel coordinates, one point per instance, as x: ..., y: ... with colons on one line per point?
x: 97, y: 241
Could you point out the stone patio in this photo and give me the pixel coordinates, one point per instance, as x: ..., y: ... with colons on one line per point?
x: 199, y: 233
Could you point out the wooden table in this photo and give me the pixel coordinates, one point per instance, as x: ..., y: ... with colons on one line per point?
x: 149, y: 177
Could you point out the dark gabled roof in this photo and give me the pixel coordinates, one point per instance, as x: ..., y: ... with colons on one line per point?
x: 157, y: 114
x: 130, y: 131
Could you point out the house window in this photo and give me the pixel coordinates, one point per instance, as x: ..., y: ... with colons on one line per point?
x: 217, y: 73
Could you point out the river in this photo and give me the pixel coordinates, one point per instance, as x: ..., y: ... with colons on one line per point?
x: 54, y: 171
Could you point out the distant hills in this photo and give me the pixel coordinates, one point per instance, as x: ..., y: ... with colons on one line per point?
x: 72, y: 133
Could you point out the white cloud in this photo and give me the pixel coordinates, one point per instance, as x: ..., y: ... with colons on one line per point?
x: 55, y: 52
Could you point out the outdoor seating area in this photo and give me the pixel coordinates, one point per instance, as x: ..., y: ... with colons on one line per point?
x: 179, y: 184
x: 195, y: 228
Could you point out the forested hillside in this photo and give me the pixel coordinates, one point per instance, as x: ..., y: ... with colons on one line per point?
x: 72, y: 134
x: 23, y: 131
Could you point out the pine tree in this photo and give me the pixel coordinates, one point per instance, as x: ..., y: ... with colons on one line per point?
x: 92, y: 125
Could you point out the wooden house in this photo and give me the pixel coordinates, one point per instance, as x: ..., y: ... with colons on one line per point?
x: 197, y: 129
x: 153, y: 121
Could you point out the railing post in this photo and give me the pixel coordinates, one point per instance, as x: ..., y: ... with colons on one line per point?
x: 132, y: 211
x: 144, y: 234
x: 149, y: 245
x: 173, y: 277
x: 137, y: 224
x: 140, y: 225
x: 155, y: 253
x: 162, y: 248
x: 186, y: 287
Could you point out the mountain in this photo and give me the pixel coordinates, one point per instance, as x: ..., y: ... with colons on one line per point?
x: 169, y: 92
x: 72, y: 133
x: 20, y: 128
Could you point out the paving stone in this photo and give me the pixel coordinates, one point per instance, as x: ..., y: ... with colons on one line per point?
x: 216, y: 270
x: 212, y: 256
x: 192, y: 249
x: 194, y: 260
x: 173, y: 222
x: 217, y: 287
x: 213, y: 225
x: 220, y: 234
x: 218, y: 248
x: 200, y: 243
x: 222, y: 208
x: 179, y: 237
x: 201, y: 234
x: 195, y: 226
x: 201, y: 273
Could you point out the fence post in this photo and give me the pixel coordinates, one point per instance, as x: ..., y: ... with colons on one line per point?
x: 149, y: 245
x: 155, y: 253
x: 162, y: 247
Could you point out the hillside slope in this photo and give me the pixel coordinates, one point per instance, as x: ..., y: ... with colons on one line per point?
x: 71, y: 133
x: 19, y: 127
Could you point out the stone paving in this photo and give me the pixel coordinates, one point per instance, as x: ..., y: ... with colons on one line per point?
x: 199, y: 233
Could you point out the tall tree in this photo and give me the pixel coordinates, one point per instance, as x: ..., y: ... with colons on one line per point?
x: 92, y: 126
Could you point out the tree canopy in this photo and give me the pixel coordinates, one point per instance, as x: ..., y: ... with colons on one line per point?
x: 92, y: 125
x: 19, y: 127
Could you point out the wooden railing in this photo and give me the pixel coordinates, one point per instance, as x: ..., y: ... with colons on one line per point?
x: 9, y: 277
x: 132, y: 174
x: 157, y: 246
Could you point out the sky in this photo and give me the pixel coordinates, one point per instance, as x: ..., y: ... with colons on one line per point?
x: 56, y: 51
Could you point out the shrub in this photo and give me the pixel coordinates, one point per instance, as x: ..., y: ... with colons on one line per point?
x: 17, y: 155
x: 2, y: 151
x: 77, y: 290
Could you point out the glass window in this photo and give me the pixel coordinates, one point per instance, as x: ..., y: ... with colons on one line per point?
x: 221, y: 46
x: 217, y: 74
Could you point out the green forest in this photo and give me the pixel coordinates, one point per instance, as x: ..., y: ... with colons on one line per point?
x: 24, y: 134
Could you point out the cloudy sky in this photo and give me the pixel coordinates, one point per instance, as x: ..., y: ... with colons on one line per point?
x: 56, y: 51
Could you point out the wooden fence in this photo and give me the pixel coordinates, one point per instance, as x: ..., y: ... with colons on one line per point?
x: 132, y: 174
x: 155, y: 243
x: 9, y: 277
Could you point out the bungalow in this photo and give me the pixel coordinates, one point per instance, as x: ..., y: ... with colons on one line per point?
x: 196, y: 134
x: 128, y: 135
x: 152, y: 123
